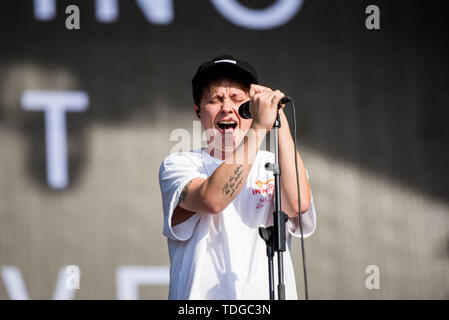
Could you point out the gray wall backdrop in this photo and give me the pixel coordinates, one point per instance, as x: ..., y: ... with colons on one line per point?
x: 373, y: 130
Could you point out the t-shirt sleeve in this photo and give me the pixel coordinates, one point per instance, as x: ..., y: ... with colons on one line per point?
x: 308, y: 219
x: 175, y: 172
x: 308, y: 222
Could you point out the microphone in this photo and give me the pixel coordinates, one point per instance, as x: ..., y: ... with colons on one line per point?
x: 246, y: 114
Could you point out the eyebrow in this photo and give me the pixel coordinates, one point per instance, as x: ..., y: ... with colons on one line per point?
x: 232, y: 95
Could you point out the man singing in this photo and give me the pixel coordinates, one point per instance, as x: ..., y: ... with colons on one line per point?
x: 215, y: 198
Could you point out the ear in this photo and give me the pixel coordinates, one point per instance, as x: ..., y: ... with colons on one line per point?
x: 197, y: 110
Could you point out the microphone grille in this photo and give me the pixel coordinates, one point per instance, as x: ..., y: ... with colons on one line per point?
x: 244, y: 110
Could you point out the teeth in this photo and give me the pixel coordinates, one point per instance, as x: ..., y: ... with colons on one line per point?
x: 227, y: 122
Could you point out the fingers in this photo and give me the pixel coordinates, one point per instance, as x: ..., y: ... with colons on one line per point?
x: 265, y: 104
x: 262, y: 97
x: 255, y: 88
x: 276, y: 98
x: 258, y: 92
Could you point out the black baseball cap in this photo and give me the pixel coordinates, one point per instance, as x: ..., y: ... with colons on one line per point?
x: 222, y: 66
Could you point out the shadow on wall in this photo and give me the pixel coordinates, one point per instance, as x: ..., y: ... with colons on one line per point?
x: 375, y: 99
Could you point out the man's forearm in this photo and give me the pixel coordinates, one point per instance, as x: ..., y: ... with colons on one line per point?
x: 288, y: 175
x: 221, y: 188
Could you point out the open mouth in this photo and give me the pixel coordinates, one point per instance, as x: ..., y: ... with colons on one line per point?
x: 225, y: 126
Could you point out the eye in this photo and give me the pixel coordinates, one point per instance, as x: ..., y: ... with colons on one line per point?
x: 215, y: 99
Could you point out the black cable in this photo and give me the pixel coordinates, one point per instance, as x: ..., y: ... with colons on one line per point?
x: 299, y: 205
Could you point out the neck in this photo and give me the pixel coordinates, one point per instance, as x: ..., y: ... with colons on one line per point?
x: 221, y: 155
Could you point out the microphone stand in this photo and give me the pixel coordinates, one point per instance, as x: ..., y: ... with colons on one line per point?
x: 274, y: 236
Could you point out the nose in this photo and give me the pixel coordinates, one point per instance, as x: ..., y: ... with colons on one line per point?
x: 227, y: 107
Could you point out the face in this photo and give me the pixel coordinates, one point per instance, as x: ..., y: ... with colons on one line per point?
x: 219, y: 114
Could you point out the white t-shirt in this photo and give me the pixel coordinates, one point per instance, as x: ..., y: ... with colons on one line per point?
x: 222, y: 256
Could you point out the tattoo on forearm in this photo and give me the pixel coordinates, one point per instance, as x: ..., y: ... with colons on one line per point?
x: 184, y: 191
x: 234, y: 182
